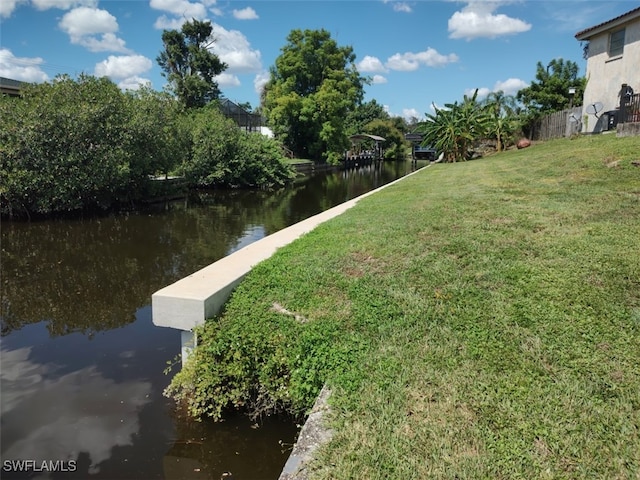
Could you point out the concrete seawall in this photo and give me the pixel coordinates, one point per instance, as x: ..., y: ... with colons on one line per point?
x: 201, y: 295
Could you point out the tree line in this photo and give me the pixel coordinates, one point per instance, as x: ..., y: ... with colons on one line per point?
x: 83, y: 144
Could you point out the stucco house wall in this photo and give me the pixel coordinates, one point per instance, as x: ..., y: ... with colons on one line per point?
x: 606, y: 73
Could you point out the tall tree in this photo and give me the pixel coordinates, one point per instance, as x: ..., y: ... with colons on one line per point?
x: 313, y: 86
x: 549, y: 92
x: 189, y: 65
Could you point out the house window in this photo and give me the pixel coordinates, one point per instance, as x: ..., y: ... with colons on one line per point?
x: 616, y: 43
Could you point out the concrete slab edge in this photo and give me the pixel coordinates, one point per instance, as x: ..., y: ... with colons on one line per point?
x: 313, y: 434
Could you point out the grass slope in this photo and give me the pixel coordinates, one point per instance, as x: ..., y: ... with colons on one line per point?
x: 476, y: 320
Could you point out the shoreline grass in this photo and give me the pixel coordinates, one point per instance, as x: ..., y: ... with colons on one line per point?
x: 476, y: 320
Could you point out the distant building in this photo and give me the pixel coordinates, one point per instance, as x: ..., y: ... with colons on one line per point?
x: 612, y: 93
x: 10, y: 87
x: 250, y: 122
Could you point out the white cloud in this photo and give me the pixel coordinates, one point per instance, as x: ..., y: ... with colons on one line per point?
x: 433, y: 107
x: 8, y: 6
x: 411, y: 113
x: 94, y: 29
x: 88, y: 21
x: 63, y: 4
x: 371, y: 64
x: 180, y: 8
x: 379, y: 79
x: 410, y: 61
x: 260, y: 81
x: 510, y: 86
x: 134, y: 83
x: 21, y: 68
x: 482, y: 92
x: 227, y: 80
x: 408, y: 114
x: 165, y: 23
x: 234, y: 49
x: 123, y: 67
x: 107, y: 43
x: 245, y: 14
x: 400, y: 6
x: 477, y: 19
x: 69, y: 428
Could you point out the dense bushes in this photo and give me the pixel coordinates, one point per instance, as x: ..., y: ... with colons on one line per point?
x: 84, y: 144
x: 64, y: 146
x: 222, y: 154
x: 261, y: 359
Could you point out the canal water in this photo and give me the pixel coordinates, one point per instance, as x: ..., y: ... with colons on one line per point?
x: 82, y: 365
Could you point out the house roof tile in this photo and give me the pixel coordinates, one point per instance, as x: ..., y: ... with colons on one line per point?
x: 584, y: 34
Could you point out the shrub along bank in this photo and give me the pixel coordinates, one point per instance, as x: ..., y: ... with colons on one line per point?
x: 78, y: 145
x: 475, y: 320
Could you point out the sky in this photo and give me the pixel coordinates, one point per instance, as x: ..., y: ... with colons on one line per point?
x: 418, y: 54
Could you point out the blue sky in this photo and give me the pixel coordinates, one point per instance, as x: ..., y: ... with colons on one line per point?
x: 418, y: 53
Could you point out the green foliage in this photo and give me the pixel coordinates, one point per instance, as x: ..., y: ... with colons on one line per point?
x: 83, y: 144
x: 189, y: 65
x: 160, y: 132
x: 223, y: 155
x: 313, y: 87
x: 68, y: 145
x: 363, y: 114
x: 258, y: 359
x: 453, y: 129
x: 550, y: 91
x: 395, y: 145
x: 503, y: 120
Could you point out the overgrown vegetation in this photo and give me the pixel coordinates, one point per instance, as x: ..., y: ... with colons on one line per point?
x: 476, y: 320
x: 83, y: 144
x: 222, y: 154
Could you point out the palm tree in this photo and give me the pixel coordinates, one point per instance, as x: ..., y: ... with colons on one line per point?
x: 502, y: 122
x: 453, y: 129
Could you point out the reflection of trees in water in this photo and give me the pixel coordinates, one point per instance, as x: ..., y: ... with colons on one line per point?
x: 92, y: 275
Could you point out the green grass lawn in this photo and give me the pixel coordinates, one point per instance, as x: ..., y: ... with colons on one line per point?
x: 475, y: 320
x: 298, y: 161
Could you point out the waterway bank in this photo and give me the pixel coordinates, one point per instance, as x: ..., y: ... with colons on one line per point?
x: 77, y: 331
x: 448, y: 316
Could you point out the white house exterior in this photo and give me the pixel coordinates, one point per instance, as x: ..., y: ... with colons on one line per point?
x: 613, y: 61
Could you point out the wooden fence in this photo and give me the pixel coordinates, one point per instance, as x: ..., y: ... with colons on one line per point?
x: 558, y: 124
x: 630, y: 109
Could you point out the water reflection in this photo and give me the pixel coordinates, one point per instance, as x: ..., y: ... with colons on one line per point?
x: 91, y: 275
x: 47, y: 416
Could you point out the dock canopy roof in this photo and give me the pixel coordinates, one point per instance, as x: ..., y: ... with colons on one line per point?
x: 361, y: 137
